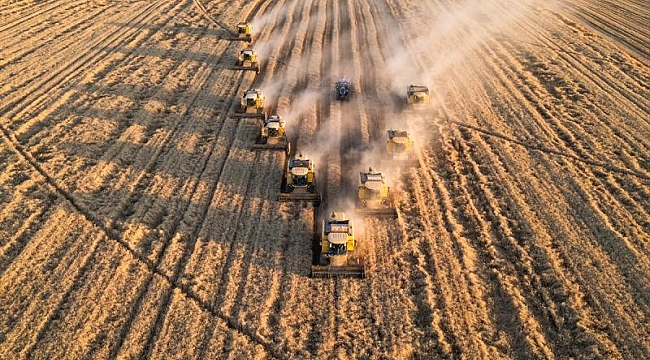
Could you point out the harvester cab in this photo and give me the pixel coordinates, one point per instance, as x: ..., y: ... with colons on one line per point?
x: 272, y: 135
x: 343, y: 88
x: 418, y: 94
x: 299, y: 182
x: 252, y: 104
x: 338, y: 249
x: 247, y: 60
x: 399, y: 148
x: 374, y: 196
x: 244, y: 31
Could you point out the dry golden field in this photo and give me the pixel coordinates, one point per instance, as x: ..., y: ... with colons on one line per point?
x: 136, y: 222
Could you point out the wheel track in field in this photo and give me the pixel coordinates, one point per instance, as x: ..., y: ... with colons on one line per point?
x: 38, y: 90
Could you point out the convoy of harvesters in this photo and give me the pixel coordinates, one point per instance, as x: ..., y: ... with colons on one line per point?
x: 336, y: 249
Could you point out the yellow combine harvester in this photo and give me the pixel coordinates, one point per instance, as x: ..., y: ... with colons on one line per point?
x: 244, y: 31
x: 247, y: 60
x: 418, y: 94
x: 399, y: 149
x: 272, y: 135
x: 375, y: 198
x: 299, y: 182
x: 251, y: 105
x: 338, y: 249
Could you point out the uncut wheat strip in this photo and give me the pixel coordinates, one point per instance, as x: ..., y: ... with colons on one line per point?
x: 163, y: 141
x: 215, y: 198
